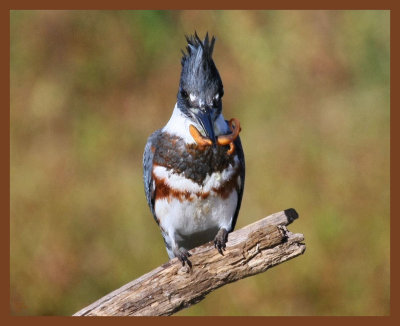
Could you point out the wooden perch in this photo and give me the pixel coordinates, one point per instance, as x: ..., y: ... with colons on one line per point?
x: 171, y: 287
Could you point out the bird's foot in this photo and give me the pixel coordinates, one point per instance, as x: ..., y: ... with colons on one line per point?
x: 220, y: 240
x: 183, y: 256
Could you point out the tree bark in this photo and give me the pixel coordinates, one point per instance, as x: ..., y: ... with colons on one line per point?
x: 171, y: 287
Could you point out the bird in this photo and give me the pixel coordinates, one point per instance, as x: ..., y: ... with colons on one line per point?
x: 194, y: 167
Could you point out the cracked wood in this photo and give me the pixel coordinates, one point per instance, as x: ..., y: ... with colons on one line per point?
x: 171, y: 287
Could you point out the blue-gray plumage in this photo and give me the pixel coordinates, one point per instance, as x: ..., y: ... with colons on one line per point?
x: 193, y: 168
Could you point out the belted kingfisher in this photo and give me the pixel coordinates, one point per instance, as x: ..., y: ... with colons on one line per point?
x: 193, y: 168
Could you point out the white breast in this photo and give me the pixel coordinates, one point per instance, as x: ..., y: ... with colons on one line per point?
x: 204, y: 208
x: 183, y: 218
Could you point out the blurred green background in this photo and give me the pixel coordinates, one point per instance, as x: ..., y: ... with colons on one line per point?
x: 311, y: 90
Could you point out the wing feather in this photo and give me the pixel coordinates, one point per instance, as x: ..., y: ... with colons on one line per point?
x: 148, y: 156
x: 239, y: 152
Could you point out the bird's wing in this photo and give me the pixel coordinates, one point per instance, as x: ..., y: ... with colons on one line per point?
x: 148, y: 156
x: 239, y: 152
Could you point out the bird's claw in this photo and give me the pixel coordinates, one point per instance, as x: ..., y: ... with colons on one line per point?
x: 220, y: 240
x: 183, y: 256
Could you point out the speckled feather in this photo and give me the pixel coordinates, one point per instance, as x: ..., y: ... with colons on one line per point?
x: 178, y: 157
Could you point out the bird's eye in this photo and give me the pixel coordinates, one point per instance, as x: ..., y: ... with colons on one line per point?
x: 216, y: 99
x: 184, y: 94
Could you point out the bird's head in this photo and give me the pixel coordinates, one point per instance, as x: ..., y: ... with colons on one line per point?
x: 200, y: 88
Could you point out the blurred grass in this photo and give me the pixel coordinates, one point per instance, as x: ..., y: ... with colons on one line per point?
x: 311, y: 89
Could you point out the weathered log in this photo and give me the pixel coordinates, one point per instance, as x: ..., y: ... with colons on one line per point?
x: 171, y: 287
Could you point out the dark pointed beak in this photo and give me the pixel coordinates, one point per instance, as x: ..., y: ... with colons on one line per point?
x: 205, y: 119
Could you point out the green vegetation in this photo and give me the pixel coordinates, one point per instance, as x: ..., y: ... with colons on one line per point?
x: 311, y: 90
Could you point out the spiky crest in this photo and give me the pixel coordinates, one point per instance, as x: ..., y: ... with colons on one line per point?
x: 198, y: 48
x: 200, y: 83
